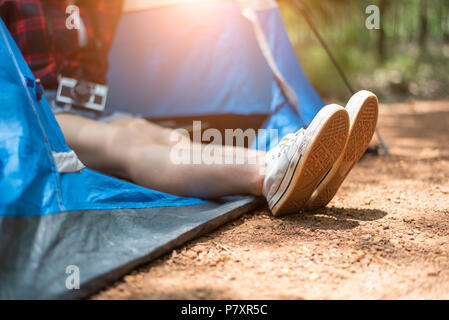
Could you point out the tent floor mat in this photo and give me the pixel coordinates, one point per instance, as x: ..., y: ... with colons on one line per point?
x: 47, y: 256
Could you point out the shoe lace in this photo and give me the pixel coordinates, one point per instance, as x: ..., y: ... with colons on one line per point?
x: 289, y: 139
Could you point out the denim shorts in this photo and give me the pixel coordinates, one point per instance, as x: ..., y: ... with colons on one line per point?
x: 104, y: 116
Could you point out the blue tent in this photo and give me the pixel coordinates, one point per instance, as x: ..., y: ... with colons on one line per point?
x: 199, y: 58
x: 55, y: 214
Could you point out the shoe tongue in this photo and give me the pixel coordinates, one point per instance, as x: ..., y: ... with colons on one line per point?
x: 288, y: 143
x: 291, y: 138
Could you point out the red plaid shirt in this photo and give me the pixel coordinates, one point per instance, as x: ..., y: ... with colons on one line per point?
x: 26, y: 22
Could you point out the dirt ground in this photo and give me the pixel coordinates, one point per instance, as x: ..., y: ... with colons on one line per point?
x: 384, y: 236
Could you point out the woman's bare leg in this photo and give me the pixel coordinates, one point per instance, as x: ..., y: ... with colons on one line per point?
x: 167, y: 137
x: 140, y: 152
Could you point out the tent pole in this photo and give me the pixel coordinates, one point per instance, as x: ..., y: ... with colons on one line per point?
x: 340, y: 71
x: 325, y: 47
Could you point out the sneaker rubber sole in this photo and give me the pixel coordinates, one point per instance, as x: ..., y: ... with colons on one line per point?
x: 326, y: 139
x: 363, y: 109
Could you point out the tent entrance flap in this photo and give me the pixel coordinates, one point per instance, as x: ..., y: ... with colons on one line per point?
x: 286, y: 89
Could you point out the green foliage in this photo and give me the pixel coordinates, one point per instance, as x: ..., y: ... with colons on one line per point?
x: 410, y: 60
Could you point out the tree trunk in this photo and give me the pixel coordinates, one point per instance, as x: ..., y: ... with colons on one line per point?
x: 446, y: 22
x: 381, y: 33
x: 423, y: 25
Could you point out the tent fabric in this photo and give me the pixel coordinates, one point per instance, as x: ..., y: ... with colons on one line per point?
x: 203, y: 58
x: 36, y: 252
x: 287, y: 91
x: 53, y: 216
x: 31, y: 180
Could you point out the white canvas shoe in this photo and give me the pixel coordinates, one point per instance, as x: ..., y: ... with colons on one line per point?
x: 296, y: 166
x: 363, y: 110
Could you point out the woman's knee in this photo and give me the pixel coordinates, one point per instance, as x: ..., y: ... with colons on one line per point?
x: 141, y: 132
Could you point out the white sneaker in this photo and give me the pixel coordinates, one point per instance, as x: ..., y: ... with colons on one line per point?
x: 363, y: 110
x: 296, y: 166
